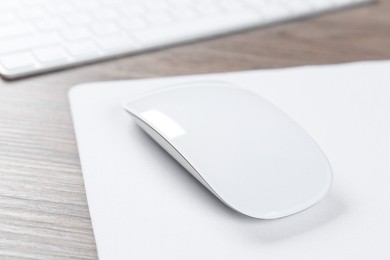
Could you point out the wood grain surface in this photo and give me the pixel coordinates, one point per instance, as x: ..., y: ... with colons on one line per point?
x: 43, y: 207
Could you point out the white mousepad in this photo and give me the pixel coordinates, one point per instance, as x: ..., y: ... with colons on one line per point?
x: 144, y: 205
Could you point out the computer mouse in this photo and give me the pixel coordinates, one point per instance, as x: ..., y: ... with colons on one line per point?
x: 245, y: 150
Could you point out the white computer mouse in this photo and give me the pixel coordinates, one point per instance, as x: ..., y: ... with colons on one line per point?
x: 245, y: 150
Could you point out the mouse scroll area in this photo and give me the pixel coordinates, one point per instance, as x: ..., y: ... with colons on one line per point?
x: 246, y: 151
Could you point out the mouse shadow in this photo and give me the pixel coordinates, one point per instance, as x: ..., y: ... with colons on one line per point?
x: 323, y: 213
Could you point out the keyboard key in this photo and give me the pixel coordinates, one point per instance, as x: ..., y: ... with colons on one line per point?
x: 133, y: 9
x: 82, y: 49
x: 208, y: 9
x: 27, y: 42
x: 113, y: 2
x: 159, y: 18
x: 78, y: 19
x: 8, y: 5
x: 30, y: 3
x: 15, y: 30
x: 184, y: 13
x: 86, y: 5
x: 156, y: 5
x: 59, y: 8
x: 231, y: 5
x: 180, y: 2
x: 7, y: 18
x: 49, y: 24
x: 17, y: 61
x: 76, y: 33
x: 30, y: 13
x: 115, y: 43
x: 106, y: 14
x: 181, y: 31
x: 104, y: 28
x: 133, y: 23
x: 50, y: 54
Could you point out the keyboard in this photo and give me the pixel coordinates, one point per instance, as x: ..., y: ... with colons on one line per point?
x: 42, y: 35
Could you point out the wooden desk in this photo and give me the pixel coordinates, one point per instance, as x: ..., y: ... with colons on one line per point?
x: 43, y: 207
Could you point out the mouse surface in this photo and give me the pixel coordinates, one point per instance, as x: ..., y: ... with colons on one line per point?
x: 246, y: 151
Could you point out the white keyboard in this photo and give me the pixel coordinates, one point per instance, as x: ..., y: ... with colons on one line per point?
x: 42, y: 35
